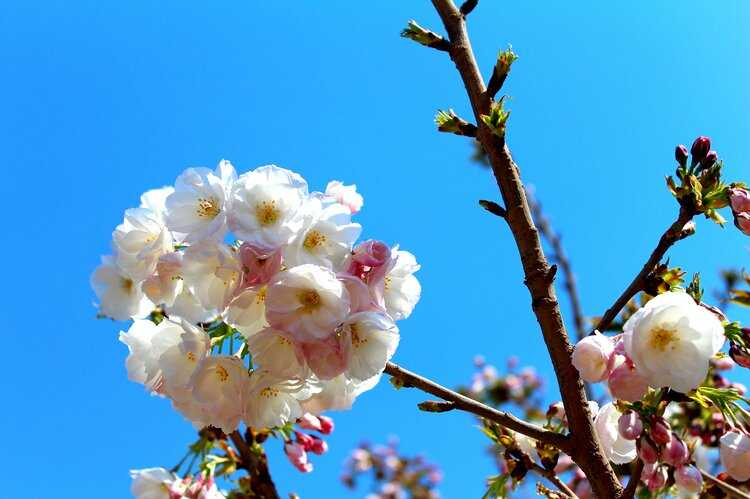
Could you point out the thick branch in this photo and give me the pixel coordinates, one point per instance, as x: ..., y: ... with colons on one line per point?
x: 464, y: 403
x: 256, y: 466
x: 729, y: 489
x: 587, y: 453
x: 674, y: 233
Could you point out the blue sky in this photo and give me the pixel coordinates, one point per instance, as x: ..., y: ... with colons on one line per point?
x: 103, y: 100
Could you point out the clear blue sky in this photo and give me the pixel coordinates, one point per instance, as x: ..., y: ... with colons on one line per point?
x: 103, y: 100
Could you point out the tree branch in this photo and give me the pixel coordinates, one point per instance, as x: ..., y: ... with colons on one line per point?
x: 464, y: 403
x: 255, y: 465
x: 587, y: 453
x: 468, y: 6
x: 729, y: 489
x: 553, y: 479
x: 674, y: 233
x: 635, y: 477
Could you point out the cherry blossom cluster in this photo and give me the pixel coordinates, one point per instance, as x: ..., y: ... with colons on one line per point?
x: 395, y: 475
x: 251, y: 299
x: 158, y: 483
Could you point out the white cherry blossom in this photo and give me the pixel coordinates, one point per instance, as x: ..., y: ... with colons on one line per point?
x: 142, y: 362
x: 247, y: 311
x: 346, y: 195
x: 592, y: 357
x: 374, y: 338
x: 338, y: 394
x: 212, y: 271
x: 265, y: 205
x: 198, y: 207
x: 671, y: 340
x: 275, y: 353
x: 156, y: 201
x: 734, y: 450
x: 326, y: 237
x: 307, y: 301
x: 181, y: 347
x: 139, y: 242
x: 272, y: 401
x: 402, y: 289
x: 152, y: 483
x: 120, y: 296
x: 219, y: 385
x: 165, y: 284
x: 617, y: 449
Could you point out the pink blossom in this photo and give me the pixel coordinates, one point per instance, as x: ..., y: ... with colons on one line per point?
x: 360, y: 295
x: 647, y: 452
x: 326, y: 425
x: 739, y: 199
x: 675, y: 452
x: 318, y: 446
x: 346, y: 195
x: 630, y: 425
x: 661, y: 432
x: 742, y: 222
x: 326, y: 358
x: 305, y: 440
x: 658, y: 479
x: 310, y: 422
x: 626, y: 383
x: 592, y: 357
x: 258, y: 265
x: 298, y: 457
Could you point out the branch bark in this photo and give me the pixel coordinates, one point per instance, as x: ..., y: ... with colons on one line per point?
x: 464, y: 403
x: 635, y: 477
x: 729, y: 489
x: 555, y: 480
x: 256, y: 466
x: 674, y: 233
x: 587, y: 453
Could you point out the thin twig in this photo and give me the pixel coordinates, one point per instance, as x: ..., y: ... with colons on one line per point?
x: 464, y: 403
x: 674, y: 233
x: 635, y: 477
x: 570, y: 283
x: 553, y: 479
x: 468, y: 6
x: 729, y: 489
x: 587, y: 453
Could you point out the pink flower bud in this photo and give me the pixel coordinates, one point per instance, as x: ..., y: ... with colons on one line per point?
x: 319, y: 446
x: 326, y: 425
x: 305, y: 440
x: 688, y: 479
x: 258, y: 265
x: 711, y: 158
x: 630, y: 425
x: 346, y: 195
x: 742, y: 222
x: 626, y: 383
x: 675, y: 452
x: 739, y: 356
x: 298, y: 457
x: 658, y: 479
x: 741, y: 389
x: 734, y: 450
x: 681, y: 154
x: 723, y: 364
x: 661, y: 432
x: 310, y: 422
x: 592, y: 357
x: 700, y: 149
x: 371, y: 253
x: 647, y: 452
x: 739, y: 199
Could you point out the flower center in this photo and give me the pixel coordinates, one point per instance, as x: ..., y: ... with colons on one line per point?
x: 269, y: 392
x: 222, y: 374
x: 266, y: 213
x: 283, y: 341
x: 126, y: 284
x: 260, y: 298
x: 190, y: 356
x: 313, y: 240
x: 357, y: 340
x: 310, y: 300
x: 661, y: 338
x: 208, y: 208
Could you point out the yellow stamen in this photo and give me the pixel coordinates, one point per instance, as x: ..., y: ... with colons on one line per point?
x: 314, y: 240
x: 661, y: 338
x: 208, y: 208
x: 266, y: 213
x: 310, y: 300
x: 222, y: 374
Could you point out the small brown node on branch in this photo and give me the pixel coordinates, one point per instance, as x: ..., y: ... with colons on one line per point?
x: 493, y: 208
x: 436, y: 406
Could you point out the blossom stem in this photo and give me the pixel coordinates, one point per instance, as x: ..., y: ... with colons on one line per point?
x: 256, y: 465
x: 412, y: 380
x: 587, y: 453
x: 674, y: 233
x: 729, y: 489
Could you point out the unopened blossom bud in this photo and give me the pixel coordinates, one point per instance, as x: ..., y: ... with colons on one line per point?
x: 305, y: 440
x: 740, y: 356
x: 371, y: 253
x: 711, y: 158
x: 739, y: 199
x: 318, y: 446
x: 592, y: 357
x: 647, y: 452
x: 742, y: 222
x: 688, y: 479
x: 734, y: 451
x: 661, y: 432
x: 630, y: 425
x: 675, y: 452
x: 626, y: 383
x: 556, y: 410
x: 310, y: 422
x: 741, y: 389
x: 723, y: 364
x: 346, y: 195
x: 326, y: 425
x: 681, y: 155
x: 700, y: 149
x: 658, y: 479
x: 298, y: 457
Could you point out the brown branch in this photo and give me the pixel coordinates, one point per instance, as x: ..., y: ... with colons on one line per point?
x: 587, y: 453
x: 256, y: 466
x: 464, y: 403
x: 635, y: 477
x: 553, y: 479
x: 674, y: 233
x: 559, y: 255
x: 468, y: 6
x: 729, y: 489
